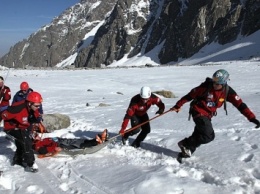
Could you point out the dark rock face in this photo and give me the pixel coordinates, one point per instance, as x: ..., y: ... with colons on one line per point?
x: 252, y: 17
x: 181, y: 28
x: 176, y: 29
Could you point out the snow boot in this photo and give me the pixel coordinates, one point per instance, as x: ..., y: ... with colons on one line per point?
x: 98, y: 139
x: 104, y: 135
x: 33, y: 168
x: 135, y: 144
x: 186, y: 153
x: 124, y: 139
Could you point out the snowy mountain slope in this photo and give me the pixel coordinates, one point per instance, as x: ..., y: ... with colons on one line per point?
x: 228, y: 165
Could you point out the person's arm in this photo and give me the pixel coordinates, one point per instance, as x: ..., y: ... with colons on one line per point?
x: 5, y: 94
x: 160, y: 105
x: 14, y: 98
x: 129, y: 113
x: 195, y: 92
x: 236, y: 101
x: 7, y: 115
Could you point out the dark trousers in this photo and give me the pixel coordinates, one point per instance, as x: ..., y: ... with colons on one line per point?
x: 76, y: 143
x: 23, y: 142
x: 203, y: 133
x: 145, y: 129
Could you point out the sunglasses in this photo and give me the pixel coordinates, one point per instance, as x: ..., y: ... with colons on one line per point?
x: 36, y: 106
x: 215, y: 83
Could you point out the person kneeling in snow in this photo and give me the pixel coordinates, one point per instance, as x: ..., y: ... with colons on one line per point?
x: 17, y: 120
x: 52, y: 145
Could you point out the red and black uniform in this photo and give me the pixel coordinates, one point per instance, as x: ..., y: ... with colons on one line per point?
x: 5, y: 96
x: 17, y: 119
x: 44, y: 146
x: 205, y: 103
x: 137, y: 113
x: 20, y: 95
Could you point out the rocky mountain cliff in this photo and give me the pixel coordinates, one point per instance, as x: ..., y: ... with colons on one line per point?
x: 61, y: 38
x: 101, y: 32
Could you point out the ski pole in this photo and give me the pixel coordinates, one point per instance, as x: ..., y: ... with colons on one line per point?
x: 139, y: 125
x: 7, y: 74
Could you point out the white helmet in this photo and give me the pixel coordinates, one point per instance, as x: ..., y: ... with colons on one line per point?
x: 145, y: 92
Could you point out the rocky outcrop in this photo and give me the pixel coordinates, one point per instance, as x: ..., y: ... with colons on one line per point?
x: 55, y: 121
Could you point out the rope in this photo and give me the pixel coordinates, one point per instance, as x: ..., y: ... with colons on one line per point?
x: 137, y: 126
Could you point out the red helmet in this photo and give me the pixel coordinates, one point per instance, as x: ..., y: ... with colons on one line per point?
x: 34, y: 97
x: 24, y: 86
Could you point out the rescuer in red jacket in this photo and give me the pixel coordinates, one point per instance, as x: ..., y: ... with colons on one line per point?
x: 17, y: 119
x: 206, y: 99
x: 137, y: 113
x: 22, y: 94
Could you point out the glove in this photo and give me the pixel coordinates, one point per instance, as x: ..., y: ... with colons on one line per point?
x: 42, y: 128
x: 175, y: 108
x: 122, y: 131
x: 160, y: 111
x: 255, y: 121
x: 55, y: 139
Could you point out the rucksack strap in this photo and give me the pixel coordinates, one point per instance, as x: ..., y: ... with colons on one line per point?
x: 207, y: 84
x: 225, y: 101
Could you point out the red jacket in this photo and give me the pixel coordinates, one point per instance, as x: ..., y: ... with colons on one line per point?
x: 5, y: 95
x: 138, y: 108
x: 44, y: 146
x: 19, y: 116
x: 207, y: 104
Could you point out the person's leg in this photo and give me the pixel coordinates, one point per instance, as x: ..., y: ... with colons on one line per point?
x: 71, y: 144
x: 204, y: 129
x: 18, y: 155
x: 88, y: 143
x: 28, y: 155
x: 134, y: 122
x: 203, y: 133
x: 24, y: 154
x: 145, y: 129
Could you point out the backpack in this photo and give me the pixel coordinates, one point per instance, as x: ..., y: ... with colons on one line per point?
x: 208, y: 83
